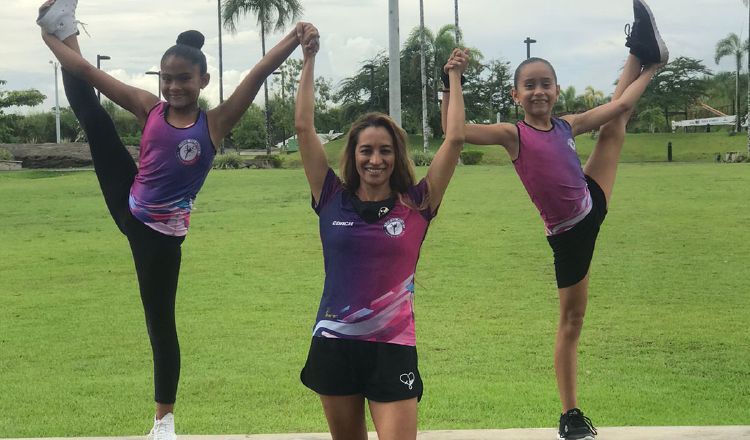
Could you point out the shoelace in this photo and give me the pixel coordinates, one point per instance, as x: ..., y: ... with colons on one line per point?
x: 83, y: 26
x: 587, y: 422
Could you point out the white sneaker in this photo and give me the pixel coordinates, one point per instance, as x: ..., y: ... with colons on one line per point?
x: 163, y: 429
x: 59, y: 19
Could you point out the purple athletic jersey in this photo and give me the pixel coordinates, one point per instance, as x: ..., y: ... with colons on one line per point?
x: 172, y: 166
x: 551, y: 172
x: 369, y: 284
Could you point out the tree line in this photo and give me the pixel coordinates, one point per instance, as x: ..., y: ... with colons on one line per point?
x: 676, y: 92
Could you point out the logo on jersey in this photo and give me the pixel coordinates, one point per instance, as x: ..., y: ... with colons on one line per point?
x: 394, y: 227
x: 407, y: 379
x: 572, y: 144
x: 189, y: 151
x: 338, y: 223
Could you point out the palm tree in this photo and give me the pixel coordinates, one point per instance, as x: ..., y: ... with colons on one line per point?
x: 271, y: 15
x: 592, y: 97
x: 445, y: 42
x: 568, y: 99
x: 729, y: 46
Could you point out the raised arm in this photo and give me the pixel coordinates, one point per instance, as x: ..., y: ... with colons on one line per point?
x: 221, y: 119
x: 310, y: 148
x: 444, y: 163
x: 132, y: 99
x: 481, y: 134
x: 598, y: 116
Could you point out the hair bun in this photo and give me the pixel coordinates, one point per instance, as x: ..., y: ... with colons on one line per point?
x: 191, y: 38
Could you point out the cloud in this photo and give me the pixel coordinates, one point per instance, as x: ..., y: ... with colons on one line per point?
x: 583, y: 37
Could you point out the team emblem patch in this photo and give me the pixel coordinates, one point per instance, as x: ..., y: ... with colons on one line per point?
x: 572, y: 144
x: 189, y: 151
x: 394, y: 227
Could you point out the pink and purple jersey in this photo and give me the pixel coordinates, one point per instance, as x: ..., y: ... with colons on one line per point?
x: 172, y: 166
x: 551, y: 172
x: 369, y: 284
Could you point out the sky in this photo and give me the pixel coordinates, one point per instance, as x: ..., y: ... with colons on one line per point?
x: 583, y: 39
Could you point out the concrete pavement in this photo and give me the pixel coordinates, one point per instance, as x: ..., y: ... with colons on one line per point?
x: 619, y: 433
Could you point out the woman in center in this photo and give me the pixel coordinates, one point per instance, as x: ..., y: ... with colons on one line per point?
x: 373, y: 220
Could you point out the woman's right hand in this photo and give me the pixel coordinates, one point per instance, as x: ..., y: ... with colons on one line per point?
x: 308, y: 37
x: 459, y: 60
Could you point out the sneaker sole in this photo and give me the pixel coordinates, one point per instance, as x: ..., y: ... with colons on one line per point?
x: 588, y: 437
x: 663, y: 52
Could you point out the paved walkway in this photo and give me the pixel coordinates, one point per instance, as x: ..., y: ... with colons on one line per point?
x: 629, y: 433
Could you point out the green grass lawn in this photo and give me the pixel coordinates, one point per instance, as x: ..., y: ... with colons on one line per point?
x: 641, y: 147
x: 666, y: 340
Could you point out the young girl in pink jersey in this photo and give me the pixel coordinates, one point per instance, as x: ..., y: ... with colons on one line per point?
x: 572, y: 200
x: 151, y: 203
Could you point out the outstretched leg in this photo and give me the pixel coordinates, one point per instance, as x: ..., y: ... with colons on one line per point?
x: 114, y: 166
x: 602, y: 164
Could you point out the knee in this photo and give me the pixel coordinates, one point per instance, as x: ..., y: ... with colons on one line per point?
x: 572, y: 320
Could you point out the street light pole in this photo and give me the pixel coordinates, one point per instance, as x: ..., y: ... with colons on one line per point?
x: 158, y: 81
x: 528, y: 42
x: 55, y: 64
x: 99, y: 59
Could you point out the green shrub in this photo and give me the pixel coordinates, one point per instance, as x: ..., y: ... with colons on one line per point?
x: 274, y: 160
x: 5, y: 154
x: 471, y: 157
x: 228, y: 161
x: 421, y: 158
x: 133, y: 140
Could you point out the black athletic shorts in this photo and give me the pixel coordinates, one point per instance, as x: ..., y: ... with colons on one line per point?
x: 574, y: 248
x: 379, y: 371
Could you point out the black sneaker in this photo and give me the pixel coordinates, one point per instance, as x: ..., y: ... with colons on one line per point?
x: 643, y: 39
x: 575, y: 426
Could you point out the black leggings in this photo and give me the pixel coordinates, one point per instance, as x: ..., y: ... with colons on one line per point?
x: 157, y: 256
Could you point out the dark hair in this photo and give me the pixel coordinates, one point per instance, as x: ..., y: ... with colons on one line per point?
x: 403, y: 171
x: 529, y: 61
x: 188, y: 46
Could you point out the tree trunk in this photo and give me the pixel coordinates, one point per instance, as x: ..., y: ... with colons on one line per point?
x: 394, y: 63
x: 737, y: 126
x: 265, y: 89
x: 221, y: 73
x: 425, y: 128
x: 748, y: 85
x: 457, y: 33
x: 666, y: 118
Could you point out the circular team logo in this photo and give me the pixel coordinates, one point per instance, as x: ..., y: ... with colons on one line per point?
x: 189, y: 151
x: 572, y: 144
x: 394, y: 227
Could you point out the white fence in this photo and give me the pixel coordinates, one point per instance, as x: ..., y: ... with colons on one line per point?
x: 721, y: 120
